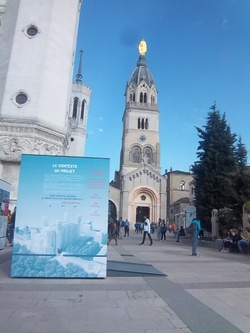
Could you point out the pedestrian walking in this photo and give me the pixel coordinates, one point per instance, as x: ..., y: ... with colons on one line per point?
x: 112, y: 231
x: 146, y: 231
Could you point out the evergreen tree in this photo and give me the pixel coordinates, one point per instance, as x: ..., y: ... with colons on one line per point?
x: 241, y: 155
x: 213, y: 171
x: 241, y: 180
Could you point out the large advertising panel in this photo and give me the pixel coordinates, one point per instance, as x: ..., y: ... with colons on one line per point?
x: 61, y: 218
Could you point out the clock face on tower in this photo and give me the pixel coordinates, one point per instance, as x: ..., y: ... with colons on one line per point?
x: 142, y: 138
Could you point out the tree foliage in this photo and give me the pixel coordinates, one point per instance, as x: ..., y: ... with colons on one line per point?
x: 241, y: 179
x: 220, y: 175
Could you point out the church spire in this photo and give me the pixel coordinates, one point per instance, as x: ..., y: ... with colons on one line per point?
x: 79, y: 74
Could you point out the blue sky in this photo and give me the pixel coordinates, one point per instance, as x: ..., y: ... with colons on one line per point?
x: 198, y: 53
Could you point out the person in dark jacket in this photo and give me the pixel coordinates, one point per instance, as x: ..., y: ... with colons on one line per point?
x: 180, y: 233
x: 231, y: 243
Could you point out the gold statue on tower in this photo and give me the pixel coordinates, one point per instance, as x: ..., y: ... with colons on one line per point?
x: 142, y: 48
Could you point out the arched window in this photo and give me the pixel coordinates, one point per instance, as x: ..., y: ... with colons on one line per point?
x: 182, y: 185
x: 75, y: 105
x: 139, y: 123
x: 136, y: 156
x: 142, y: 123
x: 141, y: 97
x: 145, y: 98
x: 148, y: 154
x: 112, y: 210
x: 152, y: 99
x: 133, y: 97
x: 82, y: 109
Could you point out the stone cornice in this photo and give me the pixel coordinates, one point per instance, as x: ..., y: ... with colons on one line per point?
x: 17, y: 138
x: 31, y: 122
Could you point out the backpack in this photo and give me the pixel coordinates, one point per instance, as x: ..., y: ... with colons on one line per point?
x: 191, y: 228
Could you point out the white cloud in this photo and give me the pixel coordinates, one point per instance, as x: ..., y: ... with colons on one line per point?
x: 224, y: 23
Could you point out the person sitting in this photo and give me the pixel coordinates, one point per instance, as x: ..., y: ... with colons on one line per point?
x: 230, y: 243
x: 244, y: 242
x: 181, y: 232
x: 221, y: 247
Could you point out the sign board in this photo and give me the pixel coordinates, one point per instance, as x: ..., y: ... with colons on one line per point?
x: 61, y: 218
x: 190, y: 212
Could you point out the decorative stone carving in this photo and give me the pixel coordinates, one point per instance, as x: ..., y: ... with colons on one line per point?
x: 145, y: 159
x: 44, y: 148
x: 13, y: 147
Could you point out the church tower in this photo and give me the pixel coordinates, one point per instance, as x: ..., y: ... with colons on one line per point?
x: 37, y: 52
x: 78, y: 114
x: 140, y: 119
x: 142, y: 189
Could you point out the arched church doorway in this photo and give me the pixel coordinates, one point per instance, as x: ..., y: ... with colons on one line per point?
x: 140, y: 212
x: 112, y: 210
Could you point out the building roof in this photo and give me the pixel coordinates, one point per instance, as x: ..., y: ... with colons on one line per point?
x: 141, y: 73
x: 182, y: 200
x: 179, y: 172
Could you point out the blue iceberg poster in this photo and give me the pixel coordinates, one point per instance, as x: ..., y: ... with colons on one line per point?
x: 61, y: 218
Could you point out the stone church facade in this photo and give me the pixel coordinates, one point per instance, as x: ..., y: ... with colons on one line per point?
x: 41, y: 112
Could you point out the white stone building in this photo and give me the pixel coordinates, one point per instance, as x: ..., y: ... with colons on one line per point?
x: 40, y: 112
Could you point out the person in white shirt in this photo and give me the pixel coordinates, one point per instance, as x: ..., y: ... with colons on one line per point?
x: 146, y: 231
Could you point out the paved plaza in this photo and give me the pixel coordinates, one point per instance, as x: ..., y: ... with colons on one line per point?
x: 149, y: 289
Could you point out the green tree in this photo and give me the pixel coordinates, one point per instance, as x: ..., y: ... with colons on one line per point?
x: 216, y: 161
x: 240, y: 180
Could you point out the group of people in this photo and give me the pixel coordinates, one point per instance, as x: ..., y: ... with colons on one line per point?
x: 115, y: 228
x: 11, y: 220
x: 237, y: 240
x: 161, y: 229
x: 139, y: 226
